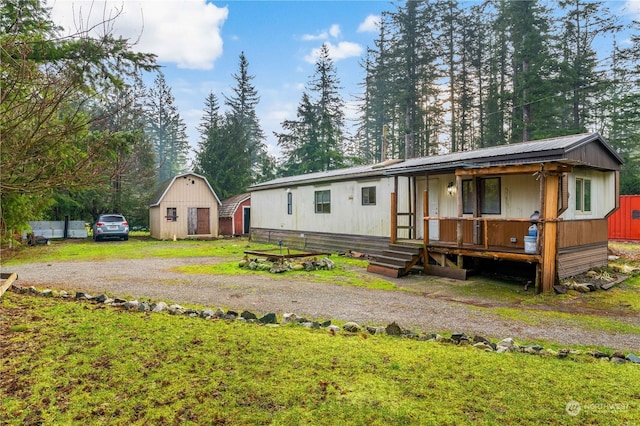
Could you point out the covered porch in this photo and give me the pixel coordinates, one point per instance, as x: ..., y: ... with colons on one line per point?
x: 446, y: 241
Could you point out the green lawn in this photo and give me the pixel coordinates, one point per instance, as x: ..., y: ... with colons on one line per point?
x: 67, y: 362
x: 134, y: 248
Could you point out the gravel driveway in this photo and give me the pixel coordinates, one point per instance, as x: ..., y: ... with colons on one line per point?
x: 153, y: 278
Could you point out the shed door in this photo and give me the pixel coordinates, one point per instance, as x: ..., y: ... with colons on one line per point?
x: 198, y: 222
x: 246, y: 223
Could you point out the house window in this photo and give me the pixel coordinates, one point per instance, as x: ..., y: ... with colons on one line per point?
x: 583, y: 195
x: 489, y: 190
x: 369, y: 196
x: 467, y: 196
x: 289, y: 203
x: 172, y: 213
x: 323, y: 201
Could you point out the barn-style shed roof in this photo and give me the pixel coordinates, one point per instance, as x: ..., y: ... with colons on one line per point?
x: 230, y: 205
x: 166, y: 185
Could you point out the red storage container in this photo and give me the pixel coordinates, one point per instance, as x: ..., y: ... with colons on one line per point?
x: 624, y: 224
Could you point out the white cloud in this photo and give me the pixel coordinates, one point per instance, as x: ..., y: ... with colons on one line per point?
x: 315, y: 37
x: 371, y: 24
x: 186, y: 33
x: 343, y: 50
x: 334, y: 31
x: 634, y: 7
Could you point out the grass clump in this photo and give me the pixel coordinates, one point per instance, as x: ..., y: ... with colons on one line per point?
x: 79, y: 363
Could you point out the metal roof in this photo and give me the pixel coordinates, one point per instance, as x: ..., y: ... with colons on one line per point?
x: 540, y: 151
x: 370, y: 170
x: 534, y: 152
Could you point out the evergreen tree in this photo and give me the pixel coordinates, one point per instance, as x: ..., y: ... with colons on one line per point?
x: 242, y: 104
x: 299, y: 141
x: 166, y: 130
x: 583, y: 85
x: 622, y: 107
x: 374, y: 141
x: 528, y: 25
x: 316, y: 140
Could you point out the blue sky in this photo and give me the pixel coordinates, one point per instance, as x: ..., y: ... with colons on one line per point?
x: 198, y: 44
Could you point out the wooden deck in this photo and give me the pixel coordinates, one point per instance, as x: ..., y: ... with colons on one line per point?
x: 472, y: 250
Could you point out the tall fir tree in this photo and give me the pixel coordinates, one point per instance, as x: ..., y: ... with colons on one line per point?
x: 315, y: 141
x: 166, y: 130
x: 622, y: 106
x: 582, y: 84
x: 242, y: 106
x: 209, y: 146
x: 528, y: 24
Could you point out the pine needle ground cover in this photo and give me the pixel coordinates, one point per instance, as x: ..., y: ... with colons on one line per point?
x: 70, y: 362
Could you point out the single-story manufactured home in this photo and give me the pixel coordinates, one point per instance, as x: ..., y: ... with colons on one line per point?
x: 235, y: 215
x: 184, y: 206
x: 543, y: 203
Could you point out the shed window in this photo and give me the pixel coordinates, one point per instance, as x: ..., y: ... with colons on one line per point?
x: 289, y: 203
x: 489, y: 190
x: 323, y: 201
x: 583, y: 195
x: 369, y: 196
x: 172, y: 214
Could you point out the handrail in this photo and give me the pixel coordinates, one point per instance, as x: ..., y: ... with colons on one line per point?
x: 494, y: 219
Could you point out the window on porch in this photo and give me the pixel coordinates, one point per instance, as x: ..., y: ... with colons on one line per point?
x: 583, y: 195
x: 489, y: 196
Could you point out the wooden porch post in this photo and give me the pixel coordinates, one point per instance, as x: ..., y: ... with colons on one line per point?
x: 425, y: 223
x: 394, y: 212
x: 549, y: 231
x: 459, y: 225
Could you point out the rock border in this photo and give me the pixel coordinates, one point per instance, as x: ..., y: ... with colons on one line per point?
x: 270, y: 319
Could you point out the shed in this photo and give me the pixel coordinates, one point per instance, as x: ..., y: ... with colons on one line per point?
x: 455, y: 210
x: 235, y: 215
x: 184, y: 206
x: 624, y: 224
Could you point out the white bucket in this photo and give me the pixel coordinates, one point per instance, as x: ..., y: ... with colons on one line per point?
x: 530, y: 245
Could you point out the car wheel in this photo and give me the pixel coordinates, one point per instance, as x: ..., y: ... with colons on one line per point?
x: 125, y: 238
x: 97, y: 238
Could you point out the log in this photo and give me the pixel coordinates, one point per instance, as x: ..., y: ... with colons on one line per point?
x: 8, y: 280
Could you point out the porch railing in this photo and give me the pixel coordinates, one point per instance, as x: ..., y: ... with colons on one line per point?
x: 480, y: 239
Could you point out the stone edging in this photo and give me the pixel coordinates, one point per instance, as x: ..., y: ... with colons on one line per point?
x: 271, y: 320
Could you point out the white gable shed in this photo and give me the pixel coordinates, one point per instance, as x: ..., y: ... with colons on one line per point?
x: 184, y: 207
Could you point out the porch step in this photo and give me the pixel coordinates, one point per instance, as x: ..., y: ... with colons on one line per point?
x: 398, y: 254
x: 396, y: 261
x: 392, y: 271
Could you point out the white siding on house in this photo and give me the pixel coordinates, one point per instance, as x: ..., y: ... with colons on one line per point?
x: 603, y: 194
x: 348, y: 215
x: 519, y: 196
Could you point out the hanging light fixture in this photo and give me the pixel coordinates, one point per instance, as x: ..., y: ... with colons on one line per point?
x: 451, y: 189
